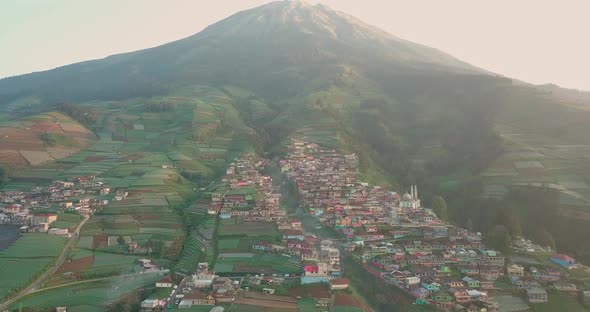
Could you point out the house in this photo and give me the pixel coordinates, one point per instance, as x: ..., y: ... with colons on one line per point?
x: 149, y: 305
x: 489, y: 272
x: 431, y: 286
x: 441, y: 296
x: 44, y: 218
x: 536, y: 295
x: 515, y: 270
x: 225, y: 294
x: 339, y: 284
x: 202, y: 279
x: 564, y: 286
x: 293, y: 234
x: 455, y: 284
x: 476, y: 295
x: 411, y: 281
x: 550, y: 275
x: 420, y: 293
x: 165, y: 282
x: 462, y: 296
x: 196, y: 297
x: 470, y: 282
x: 263, y: 246
x: 483, y: 284
x: 563, y: 260
x: 58, y: 231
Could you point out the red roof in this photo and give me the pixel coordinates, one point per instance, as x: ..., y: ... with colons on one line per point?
x: 165, y: 280
x: 340, y: 281
x: 563, y: 257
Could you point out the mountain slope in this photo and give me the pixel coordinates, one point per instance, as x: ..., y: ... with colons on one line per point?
x: 41, y: 138
x: 292, y: 41
x: 413, y: 113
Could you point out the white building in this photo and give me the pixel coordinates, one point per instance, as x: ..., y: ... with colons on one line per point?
x: 410, y: 200
x: 203, y: 279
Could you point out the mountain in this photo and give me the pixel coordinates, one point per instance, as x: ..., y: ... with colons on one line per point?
x: 414, y: 114
x: 293, y: 41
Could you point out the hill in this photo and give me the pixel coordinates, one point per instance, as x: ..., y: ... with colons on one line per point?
x: 41, y: 138
x: 414, y: 114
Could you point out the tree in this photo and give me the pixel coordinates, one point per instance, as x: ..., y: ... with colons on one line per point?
x: 3, y: 176
x: 439, y: 205
x: 469, y: 225
x: 499, y: 238
x: 544, y: 237
x: 121, y: 240
x: 514, y: 226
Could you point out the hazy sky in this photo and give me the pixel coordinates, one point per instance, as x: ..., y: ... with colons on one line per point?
x: 538, y: 41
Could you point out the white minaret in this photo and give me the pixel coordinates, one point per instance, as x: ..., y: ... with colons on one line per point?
x: 416, y: 191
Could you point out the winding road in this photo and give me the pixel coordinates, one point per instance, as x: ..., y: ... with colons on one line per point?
x: 34, y: 286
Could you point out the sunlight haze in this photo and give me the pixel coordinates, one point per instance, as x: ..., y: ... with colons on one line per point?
x: 535, y: 41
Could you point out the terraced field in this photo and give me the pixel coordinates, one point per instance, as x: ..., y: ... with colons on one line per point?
x: 41, y: 138
x: 257, y: 263
x: 159, y: 150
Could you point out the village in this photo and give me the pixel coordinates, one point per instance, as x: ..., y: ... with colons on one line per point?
x: 262, y: 255
x: 391, y: 235
x: 313, y: 261
x: 37, y: 210
x: 406, y: 244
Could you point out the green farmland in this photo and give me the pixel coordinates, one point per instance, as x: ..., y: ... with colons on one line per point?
x: 265, y: 263
x: 92, y: 294
x: 26, y: 258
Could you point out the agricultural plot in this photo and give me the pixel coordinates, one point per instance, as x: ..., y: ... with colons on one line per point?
x: 66, y: 220
x: 235, y: 245
x: 93, y: 294
x: 256, y: 263
x: 190, y: 257
x: 249, y: 229
x: 41, y: 138
x: 28, y: 256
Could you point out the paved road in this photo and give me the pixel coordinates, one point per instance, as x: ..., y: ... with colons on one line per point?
x: 45, y: 276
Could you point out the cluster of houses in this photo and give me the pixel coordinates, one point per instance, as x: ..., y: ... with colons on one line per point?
x: 249, y: 195
x: 82, y: 195
x: 203, y: 288
x: 321, y: 261
x: 403, y: 243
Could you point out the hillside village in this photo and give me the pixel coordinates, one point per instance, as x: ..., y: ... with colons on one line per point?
x: 406, y: 244
x: 37, y: 209
x: 391, y: 235
x: 258, y: 253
